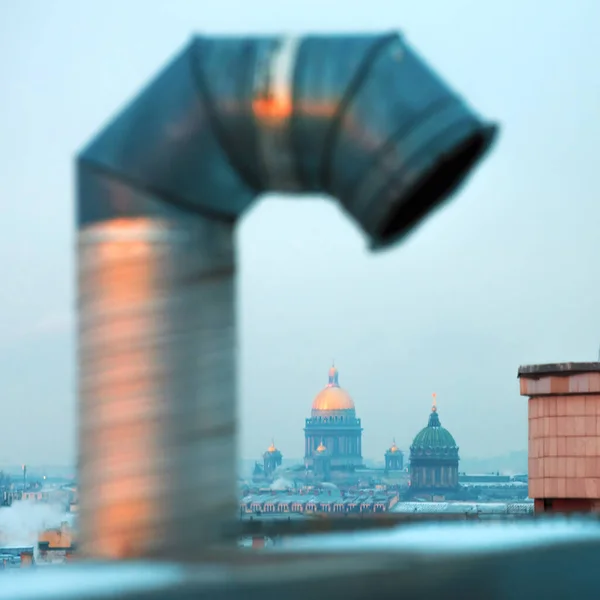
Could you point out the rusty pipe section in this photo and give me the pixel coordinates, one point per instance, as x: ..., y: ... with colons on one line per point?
x: 360, y: 118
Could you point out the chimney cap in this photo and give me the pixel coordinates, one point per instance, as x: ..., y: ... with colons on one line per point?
x: 565, y: 368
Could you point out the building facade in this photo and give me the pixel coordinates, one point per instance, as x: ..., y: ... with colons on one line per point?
x: 434, y: 458
x: 334, y: 425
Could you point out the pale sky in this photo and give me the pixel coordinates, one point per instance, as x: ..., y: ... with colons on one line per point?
x: 506, y: 274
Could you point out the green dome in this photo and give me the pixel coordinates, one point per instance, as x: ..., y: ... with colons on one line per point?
x: 434, y: 441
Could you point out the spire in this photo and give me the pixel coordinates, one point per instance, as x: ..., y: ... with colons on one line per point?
x: 333, y: 376
x: 434, y: 419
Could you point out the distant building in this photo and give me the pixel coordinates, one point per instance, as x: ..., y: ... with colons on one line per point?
x: 485, y: 478
x: 433, y: 458
x: 57, y: 544
x: 272, y: 459
x: 16, y: 557
x: 322, y: 463
x: 394, y: 459
x: 333, y: 424
x: 333, y: 447
x: 317, y: 500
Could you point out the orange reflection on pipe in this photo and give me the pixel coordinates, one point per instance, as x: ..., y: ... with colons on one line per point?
x: 273, y: 108
x: 324, y: 109
x: 120, y: 422
x: 276, y: 108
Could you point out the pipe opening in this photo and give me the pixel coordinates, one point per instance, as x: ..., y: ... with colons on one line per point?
x: 436, y: 185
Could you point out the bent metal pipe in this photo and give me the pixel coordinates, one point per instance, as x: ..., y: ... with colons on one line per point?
x: 360, y: 118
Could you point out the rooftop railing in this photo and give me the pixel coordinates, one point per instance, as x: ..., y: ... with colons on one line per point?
x: 550, y: 558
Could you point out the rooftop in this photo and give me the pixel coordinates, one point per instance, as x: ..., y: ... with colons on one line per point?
x: 464, y: 507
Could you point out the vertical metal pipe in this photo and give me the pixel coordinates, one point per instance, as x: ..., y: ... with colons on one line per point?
x: 358, y: 117
x: 157, y: 377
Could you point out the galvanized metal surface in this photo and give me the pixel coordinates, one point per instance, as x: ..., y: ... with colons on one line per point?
x: 551, y: 560
x: 273, y: 111
x: 157, y: 400
x: 358, y: 117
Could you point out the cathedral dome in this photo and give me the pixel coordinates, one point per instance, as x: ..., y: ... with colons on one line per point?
x: 434, y: 441
x: 332, y: 397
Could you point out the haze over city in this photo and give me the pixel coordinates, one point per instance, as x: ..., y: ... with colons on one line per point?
x: 501, y: 276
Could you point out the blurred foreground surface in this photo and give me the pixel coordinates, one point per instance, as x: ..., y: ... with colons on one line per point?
x: 541, y: 558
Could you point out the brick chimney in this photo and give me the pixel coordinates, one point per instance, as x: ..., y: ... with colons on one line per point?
x: 564, y: 435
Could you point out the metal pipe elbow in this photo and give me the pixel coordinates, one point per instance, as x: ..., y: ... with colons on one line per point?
x: 360, y: 118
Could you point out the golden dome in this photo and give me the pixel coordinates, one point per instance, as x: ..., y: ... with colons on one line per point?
x: 393, y: 447
x: 321, y: 447
x: 333, y: 397
x: 272, y: 448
